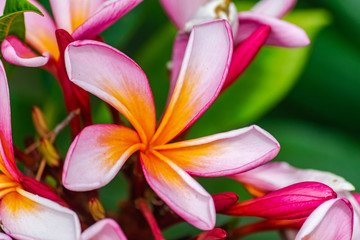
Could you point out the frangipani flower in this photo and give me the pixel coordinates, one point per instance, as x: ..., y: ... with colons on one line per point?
x: 251, y: 30
x: 105, y: 229
x: 276, y: 175
x: 99, y: 151
x: 24, y: 212
x: 331, y: 220
x: 83, y: 19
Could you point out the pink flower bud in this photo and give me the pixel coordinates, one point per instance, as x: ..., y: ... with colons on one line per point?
x: 292, y: 202
x: 225, y: 200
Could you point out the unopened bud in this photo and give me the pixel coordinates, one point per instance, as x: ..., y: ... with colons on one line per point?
x: 292, y: 202
x: 40, y: 122
x: 214, y: 234
x: 96, y: 209
x: 49, y: 152
x: 225, y: 200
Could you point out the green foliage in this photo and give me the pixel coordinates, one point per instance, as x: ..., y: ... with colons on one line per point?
x: 12, y: 21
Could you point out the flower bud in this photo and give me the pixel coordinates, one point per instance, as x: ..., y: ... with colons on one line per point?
x: 40, y: 122
x: 97, y: 210
x: 49, y: 152
x: 225, y: 200
x: 292, y: 202
x: 214, y: 234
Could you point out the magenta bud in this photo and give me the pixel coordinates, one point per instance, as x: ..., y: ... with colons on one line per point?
x: 292, y: 202
x: 214, y: 234
x: 225, y: 200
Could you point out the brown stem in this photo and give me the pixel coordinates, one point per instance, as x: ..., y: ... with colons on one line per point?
x: 41, y: 169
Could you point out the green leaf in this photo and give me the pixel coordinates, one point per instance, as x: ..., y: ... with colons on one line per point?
x: 12, y: 22
x: 266, y: 82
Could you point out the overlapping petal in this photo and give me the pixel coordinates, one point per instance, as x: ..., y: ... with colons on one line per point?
x: 7, y: 161
x: 28, y: 216
x: 223, y: 154
x: 106, y: 229
x: 40, y: 31
x: 115, y: 78
x: 276, y: 175
x: 274, y: 8
x: 179, y: 190
x: 16, y: 52
x: 97, y: 154
x: 203, y: 71
x: 283, y: 34
x: 105, y: 15
x: 3, y: 236
x: 181, y: 11
x: 177, y: 57
x: 331, y: 220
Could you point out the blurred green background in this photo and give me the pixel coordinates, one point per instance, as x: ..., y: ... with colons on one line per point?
x: 308, y: 98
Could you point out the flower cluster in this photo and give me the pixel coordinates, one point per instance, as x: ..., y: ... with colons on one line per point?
x: 214, y: 45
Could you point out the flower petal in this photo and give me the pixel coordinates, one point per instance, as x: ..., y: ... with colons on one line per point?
x: 96, y: 155
x: 200, y: 79
x: 28, y: 216
x: 181, y: 11
x: 283, y: 34
x: 16, y: 52
x: 115, y: 78
x: 224, y: 153
x: 7, y: 161
x: 276, y: 175
x: 177, y: 57
x: 178, y: 190
x: 3, y: 236
x: 106, y: 229
x: 274, y: 8
x: 331, y: 220
x: 40, y: 31
x: 356, y: 207
x: 106, y: 14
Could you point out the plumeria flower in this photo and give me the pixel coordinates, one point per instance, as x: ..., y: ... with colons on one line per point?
x: 24, y: 211
x: 331, y: 220
x: 99, y: 151
x: 251, y: 30
x: 276, y: 175
x: 105, y: 229
x: 83, y: 19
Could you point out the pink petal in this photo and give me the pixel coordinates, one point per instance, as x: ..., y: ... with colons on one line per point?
x: 7, y: 161
x: 293, y: 202
x: 283, y: 34
x: 178, y: 190
x: 28, y: 216
x: 107, y: 14
x: 16, y: 52
x: 106, y: 229
x: 245, y: 52
x: 178, y: 53
x: 116, y: 79
x: 200, y: 79
x: 62, y: 14
x: 356, y: 208
x: 181, y: 11
x: 96, y: 156
x: 273, y: 8
x: 224, y: 153
x: 40, y: 31
x: 3, y: 236
x: 276, y: 175
x: 331, y: 220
